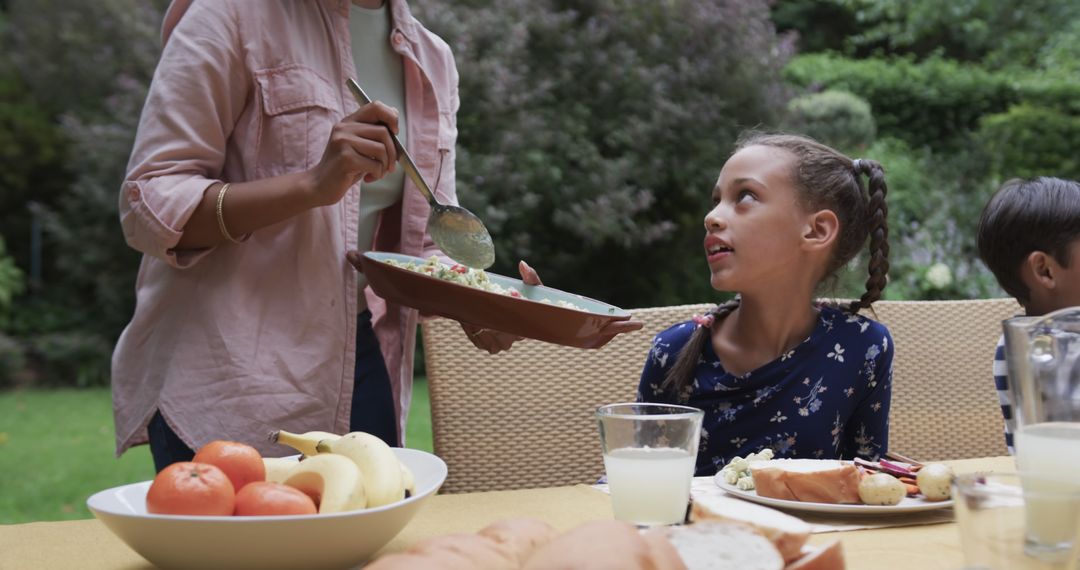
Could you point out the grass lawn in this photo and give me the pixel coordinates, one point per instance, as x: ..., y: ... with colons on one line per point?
x: 56, y: 449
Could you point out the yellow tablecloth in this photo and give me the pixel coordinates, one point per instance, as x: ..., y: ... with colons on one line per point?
x: 87, y: 544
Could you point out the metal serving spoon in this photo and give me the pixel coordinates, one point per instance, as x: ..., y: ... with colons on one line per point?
x: 458, y: 232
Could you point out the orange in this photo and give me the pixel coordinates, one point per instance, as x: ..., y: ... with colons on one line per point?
x: 241, y: 462
x: 188, y: 488
x: 267, y: 498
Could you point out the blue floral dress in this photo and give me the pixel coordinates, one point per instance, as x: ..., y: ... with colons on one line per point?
x: 826, y: 398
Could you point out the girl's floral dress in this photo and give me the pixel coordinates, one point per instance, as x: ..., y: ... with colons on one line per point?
x: 826, y: 398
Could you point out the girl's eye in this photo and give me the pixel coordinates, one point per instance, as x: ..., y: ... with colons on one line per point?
x: 744, y: 194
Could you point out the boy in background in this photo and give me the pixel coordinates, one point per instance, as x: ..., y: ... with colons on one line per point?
x: 1029, y: 237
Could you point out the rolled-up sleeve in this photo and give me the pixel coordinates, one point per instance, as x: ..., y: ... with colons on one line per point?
x: 198, y: 91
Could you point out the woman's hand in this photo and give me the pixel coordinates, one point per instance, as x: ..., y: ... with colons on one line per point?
x: 494, y: 341
x: 360, y: 147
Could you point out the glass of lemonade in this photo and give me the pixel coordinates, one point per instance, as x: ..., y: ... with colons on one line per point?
x: 1048, y: 459
x: 649, y: 456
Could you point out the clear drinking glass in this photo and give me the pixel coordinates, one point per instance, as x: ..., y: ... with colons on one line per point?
x: 1043, y: 356
x: 993, y: 514
x: 649, y: 456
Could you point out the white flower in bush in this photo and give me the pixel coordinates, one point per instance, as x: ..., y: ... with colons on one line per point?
x: 939, y: 276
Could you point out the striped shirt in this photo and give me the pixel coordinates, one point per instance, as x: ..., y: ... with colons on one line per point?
x: 1001, y: 381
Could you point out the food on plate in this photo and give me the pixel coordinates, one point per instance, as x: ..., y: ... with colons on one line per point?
x: 379, y: 467
x: 303, y: 442
x: 462, y: 275
x: 241, y: 463
x: 714, y: 544
x: 187, y: 488
x: 935, y: 481
x: 828, y: 557
x: 810, y: 480
x: 737, y: 472
x: 787, y: 533
x: 881, y: 489
x: 263, y: 498
x: 333, y: 481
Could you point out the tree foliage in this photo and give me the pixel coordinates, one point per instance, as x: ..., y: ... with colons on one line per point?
x: 591, y: 132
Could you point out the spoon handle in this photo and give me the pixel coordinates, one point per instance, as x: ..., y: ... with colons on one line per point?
x: 404, y: 159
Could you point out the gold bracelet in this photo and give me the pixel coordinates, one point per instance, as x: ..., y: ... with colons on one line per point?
x: 220, y: 217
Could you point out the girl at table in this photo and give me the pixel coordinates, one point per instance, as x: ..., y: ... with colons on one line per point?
x: 772, y: 368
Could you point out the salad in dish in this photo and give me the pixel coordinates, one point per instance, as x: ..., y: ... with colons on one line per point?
x: 476, y: 278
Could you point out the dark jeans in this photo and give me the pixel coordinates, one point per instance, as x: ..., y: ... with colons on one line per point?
x: 372, y: 402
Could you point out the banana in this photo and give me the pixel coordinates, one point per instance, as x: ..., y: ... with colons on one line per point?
x: 278, y: 468
x: 303, y: 442
x: 377, y: 462
x: 335, y: 482
x: 408, y: 481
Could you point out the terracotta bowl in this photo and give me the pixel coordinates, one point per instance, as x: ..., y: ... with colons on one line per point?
x: 527, y: 316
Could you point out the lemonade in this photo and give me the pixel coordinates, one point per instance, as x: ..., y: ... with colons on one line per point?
x: 649, y: 486
x: 1048, y: 458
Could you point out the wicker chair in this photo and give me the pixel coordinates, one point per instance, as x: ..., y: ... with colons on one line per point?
x: 524, y: 418
x: 944, y: 405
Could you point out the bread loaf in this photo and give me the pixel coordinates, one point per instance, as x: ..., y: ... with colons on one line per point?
x: 520, y: 536
x: 714, y: 544
x: 786, y: 532
x: 605, y: 545
x: 810, y: 480
x: 828, y: 557
x: 462, y: 551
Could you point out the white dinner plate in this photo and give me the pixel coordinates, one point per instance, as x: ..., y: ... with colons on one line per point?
x: 908, y: 505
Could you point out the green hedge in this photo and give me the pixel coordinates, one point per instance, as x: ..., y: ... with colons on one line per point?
x: 836, y: 118
x: 929, y: 102
x: 1028, y: 141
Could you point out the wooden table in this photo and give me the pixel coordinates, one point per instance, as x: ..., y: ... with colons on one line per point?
x: 87, y: 544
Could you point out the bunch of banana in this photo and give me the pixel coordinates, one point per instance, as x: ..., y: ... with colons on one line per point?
x: 374, y: 476
x: 303, y: 442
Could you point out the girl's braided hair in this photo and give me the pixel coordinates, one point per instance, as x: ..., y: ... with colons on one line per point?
x: 824, y: 180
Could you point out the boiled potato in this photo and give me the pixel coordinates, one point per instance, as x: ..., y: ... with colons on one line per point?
x: 935, y: 481
x: 881, y: 489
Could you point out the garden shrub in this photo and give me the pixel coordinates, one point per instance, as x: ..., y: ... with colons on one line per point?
x: 1029, y: 141
x: 935, y: 101
x: 12, y: 360
x: 70, y: 359
x: 591, y: 133
x: 837, y: 118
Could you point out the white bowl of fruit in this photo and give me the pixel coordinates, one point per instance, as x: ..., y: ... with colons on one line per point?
x: 357, y: 493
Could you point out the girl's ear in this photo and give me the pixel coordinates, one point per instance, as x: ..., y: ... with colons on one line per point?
x: 822, y: 228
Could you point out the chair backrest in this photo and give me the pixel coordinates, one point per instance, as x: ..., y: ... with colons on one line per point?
x: 944, y: 405
x: 524, y: 418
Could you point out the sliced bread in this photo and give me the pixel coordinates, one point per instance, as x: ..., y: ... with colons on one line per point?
x: 709, y: 545
x: 786, y: 532
x: 827, y: 557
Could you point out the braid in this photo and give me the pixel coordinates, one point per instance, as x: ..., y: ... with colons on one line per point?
x: 878, y: 212
x: 683, y: 370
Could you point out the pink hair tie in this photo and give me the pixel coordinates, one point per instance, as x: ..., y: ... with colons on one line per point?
x: 704, y: 320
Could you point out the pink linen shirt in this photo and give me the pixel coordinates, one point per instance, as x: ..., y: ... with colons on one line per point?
x: 242, y: 339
